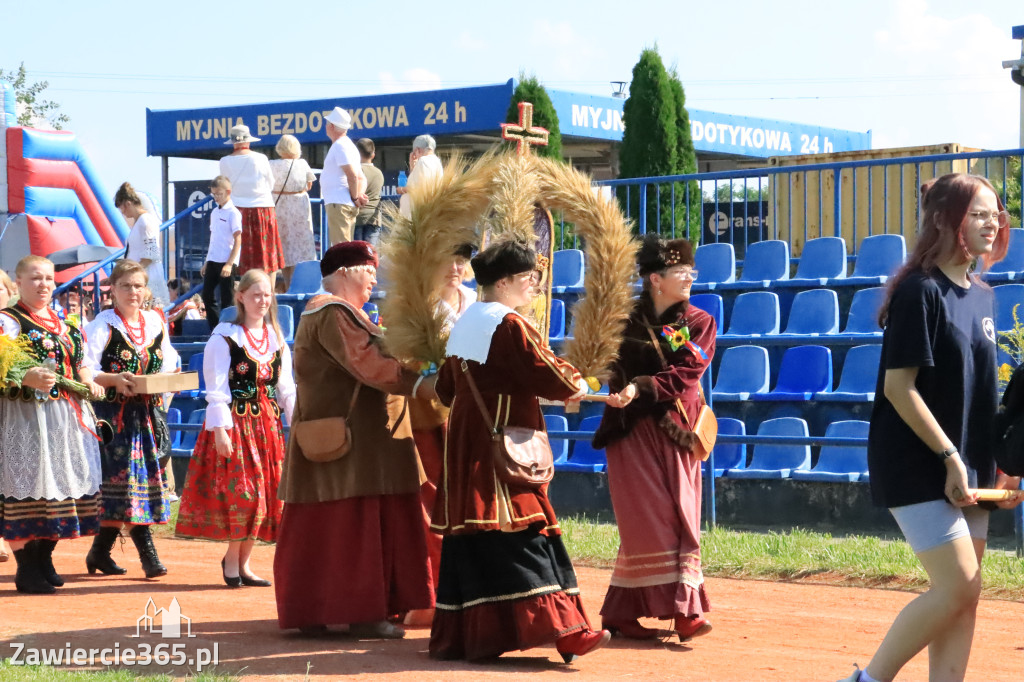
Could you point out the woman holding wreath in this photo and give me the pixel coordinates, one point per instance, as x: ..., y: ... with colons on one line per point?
x: 506, y: 581
x: 125, y: 341
x: 653, y: 476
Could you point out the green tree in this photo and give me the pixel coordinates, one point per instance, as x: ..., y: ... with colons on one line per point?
x: 529, y: 89
x: 687, y: 213
x: 33, y: 107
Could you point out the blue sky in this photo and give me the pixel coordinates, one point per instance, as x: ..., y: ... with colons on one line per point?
x: 914, y: 72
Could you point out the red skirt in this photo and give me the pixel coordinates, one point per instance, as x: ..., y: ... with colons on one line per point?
x: 235, y: 498
x: 357, y: 560
x: 430, y: 445
x: 261, y: 243
x: 656, y: 493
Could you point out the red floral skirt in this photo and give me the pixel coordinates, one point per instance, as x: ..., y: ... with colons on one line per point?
x: 261, y: 243
x: 235, y: 498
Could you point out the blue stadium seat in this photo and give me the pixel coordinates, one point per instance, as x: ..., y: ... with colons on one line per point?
x: 715, y: 264
x: 584, y: 457
x: 743, y: 371
x: 195, y: 327
x: 822, y: 259
x: 229, y: 314
x: 840, y: 463
x: 559, y: 446
x: 286, y: 318
x: 174, y: 417
x: 1011, y: 267
x: 859, y: 378
x: 556, y: 329
x: 777, y: 461
x: 711, y: 304
x: 567, y: 270
x: 755, y: 313
x: 814, y: 312
x: 195, y: 364
x: 863, y: 317
x: 878, y: 258
x: 189, y: 438
x: 805, y: 370
x: 1008, y: 296
x: 305, y: 278
x: 729, y: 456
x: 765, y: 262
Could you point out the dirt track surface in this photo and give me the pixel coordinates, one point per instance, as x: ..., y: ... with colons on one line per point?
x: 763, y: 630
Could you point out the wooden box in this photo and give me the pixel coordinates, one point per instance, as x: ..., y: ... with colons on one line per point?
x: 166, y: 383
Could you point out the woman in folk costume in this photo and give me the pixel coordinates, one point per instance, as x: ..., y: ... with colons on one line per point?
x: 653, y: 476
x: 49, y: 451
x: 429, y: 416
x: 506, y: 580
x: 352, y: 549
x: 231, y: 490
x: 122, y: 342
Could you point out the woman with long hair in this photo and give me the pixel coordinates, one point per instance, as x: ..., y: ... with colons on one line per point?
x: 653, y: 475
x: 930, y: 438
x: 231, y: 490
x: 123, y: 342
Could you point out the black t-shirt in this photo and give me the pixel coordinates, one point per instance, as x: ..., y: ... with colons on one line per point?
x: 948, y: 332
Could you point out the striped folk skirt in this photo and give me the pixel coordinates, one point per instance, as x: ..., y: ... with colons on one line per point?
x: 656, y: 494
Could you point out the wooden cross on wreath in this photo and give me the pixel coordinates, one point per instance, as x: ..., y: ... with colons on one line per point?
x: 525, y: 133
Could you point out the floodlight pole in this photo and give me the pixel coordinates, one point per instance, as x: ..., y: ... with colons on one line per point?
x: 1017, y: 74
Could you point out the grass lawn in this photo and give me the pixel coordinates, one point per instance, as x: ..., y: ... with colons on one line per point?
x: 44, y: 673
x: 802, y: 555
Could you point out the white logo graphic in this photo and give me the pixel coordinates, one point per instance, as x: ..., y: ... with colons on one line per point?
x: 990, y: 329
x: 719, y: 222
x: 170, y: 621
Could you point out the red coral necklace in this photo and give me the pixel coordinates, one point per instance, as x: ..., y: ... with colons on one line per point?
x: 137, y: 335
x: 51, y: 325
x: 263, y: 345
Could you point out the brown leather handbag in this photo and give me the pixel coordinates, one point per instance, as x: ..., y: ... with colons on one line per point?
x: 327, y: 439
x: 521, y: 455
x: 705, y: 427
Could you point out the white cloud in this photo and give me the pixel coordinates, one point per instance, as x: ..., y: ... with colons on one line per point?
x: 411, y: 79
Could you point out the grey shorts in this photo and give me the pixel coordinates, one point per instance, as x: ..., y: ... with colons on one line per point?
x: 929, y: 524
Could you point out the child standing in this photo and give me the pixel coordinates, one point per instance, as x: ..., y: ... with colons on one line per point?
x: 222, y: 256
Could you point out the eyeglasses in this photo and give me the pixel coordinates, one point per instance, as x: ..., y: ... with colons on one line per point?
x: 686, y: 273
x: 1001, y: 217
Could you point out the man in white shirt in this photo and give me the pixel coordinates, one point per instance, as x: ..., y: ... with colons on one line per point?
x: 423, y: 164
x: 342, y: 173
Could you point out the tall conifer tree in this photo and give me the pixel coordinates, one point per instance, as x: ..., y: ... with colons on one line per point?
x: 529, y: 89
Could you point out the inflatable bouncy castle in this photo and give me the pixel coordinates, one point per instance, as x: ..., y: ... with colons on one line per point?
x: 50, y: 195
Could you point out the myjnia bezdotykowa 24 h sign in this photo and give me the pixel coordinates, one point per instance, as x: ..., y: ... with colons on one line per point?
x: 474, y: 110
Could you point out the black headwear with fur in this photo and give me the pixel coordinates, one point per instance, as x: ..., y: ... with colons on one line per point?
x: 502, y: 260
x: 657, y: 254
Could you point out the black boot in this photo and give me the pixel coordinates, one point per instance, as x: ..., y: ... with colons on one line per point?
x: 98, y: 558
x: 143, y: 540
x: 44, y: 553
x: 29, y: 578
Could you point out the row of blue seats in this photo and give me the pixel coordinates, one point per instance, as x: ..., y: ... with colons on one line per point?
x: 835, y: 463
x: 766, y: 265
x: 805, y: 373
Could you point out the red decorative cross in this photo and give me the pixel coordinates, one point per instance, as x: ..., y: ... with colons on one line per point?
x: 525, y: 133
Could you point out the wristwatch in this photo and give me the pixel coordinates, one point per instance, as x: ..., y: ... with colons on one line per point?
x: 948, y: 452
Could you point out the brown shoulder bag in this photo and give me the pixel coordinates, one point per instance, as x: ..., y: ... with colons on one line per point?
x: 705, y: 427
x: 521, y: 456
x: 327, y: 439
